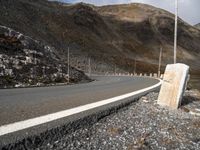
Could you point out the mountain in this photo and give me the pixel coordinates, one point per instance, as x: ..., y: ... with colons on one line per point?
x: 112, y: 37
x: 25, y: 62
x: 197, y: 26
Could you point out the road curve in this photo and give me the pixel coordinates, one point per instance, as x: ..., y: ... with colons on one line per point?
x: 22, y: 104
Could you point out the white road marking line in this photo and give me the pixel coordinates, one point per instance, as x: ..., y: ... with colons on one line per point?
x: 17, y: 126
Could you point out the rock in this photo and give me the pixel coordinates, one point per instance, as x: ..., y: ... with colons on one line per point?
x: 185, y: 109
x: 173, y: 86
x: 194, y: 113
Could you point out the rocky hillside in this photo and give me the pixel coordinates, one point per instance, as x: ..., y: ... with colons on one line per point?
x: 110, y: 35
x: 25, y: 62
x: 198, y: 26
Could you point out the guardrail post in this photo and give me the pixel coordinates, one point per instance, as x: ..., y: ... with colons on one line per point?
x: 161, y: 76
x: 155, y: 75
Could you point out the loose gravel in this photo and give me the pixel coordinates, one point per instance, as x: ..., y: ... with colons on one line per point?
x: 141, y: 125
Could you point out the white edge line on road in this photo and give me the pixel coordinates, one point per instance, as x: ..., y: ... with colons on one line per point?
x: 17, y: 126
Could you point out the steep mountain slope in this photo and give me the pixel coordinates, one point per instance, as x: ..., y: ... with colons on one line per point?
x: 25, y: 61
x: 109, y: 35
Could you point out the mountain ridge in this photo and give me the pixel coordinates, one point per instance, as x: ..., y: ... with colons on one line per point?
x: 108, y: 35
x: 197, y: 26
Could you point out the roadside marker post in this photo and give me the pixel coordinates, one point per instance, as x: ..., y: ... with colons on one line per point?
x: 174, y: 84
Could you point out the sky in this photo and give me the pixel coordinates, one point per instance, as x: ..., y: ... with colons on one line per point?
x: 189, y: 10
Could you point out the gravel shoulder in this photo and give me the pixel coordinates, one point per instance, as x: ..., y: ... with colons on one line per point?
x: 141, y: 125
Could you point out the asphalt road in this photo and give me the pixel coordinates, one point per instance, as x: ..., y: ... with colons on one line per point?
x: 25, y: 103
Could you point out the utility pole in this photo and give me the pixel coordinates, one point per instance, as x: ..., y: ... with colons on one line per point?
x: 89, y: 68
x: 175, y: 30
x: 35, y: 63
x: 68, y: 64
x: 135, y: 67
x: 160, y: 59
x: 43, y: 71
x: 115, y: 70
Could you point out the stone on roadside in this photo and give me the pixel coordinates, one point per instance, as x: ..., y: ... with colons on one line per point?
x: 174, y: 85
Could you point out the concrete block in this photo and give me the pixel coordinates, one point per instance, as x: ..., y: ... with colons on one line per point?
x: 140, y: 74
x: 150, y: 75
x: 173, y: 86
x: 155, y: 75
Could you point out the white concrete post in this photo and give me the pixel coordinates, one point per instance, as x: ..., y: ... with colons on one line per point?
x: 161, y: 76
x: 173, y: 86
x: 155, y: 75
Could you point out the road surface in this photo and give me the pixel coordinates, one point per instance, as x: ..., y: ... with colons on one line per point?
x: 35, y: 113
x: 25, y: 103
